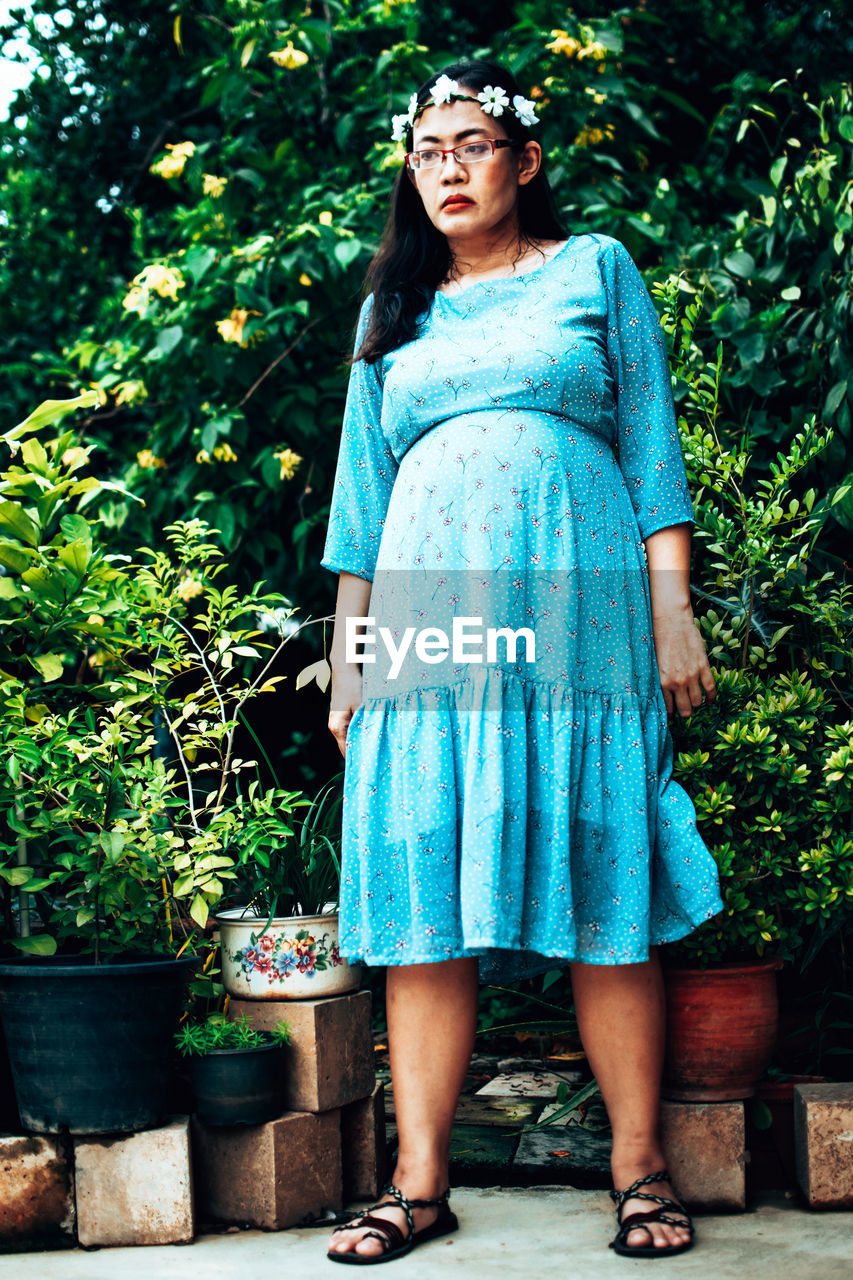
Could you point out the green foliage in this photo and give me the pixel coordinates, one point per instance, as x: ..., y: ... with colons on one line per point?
x: 769, y: 763
x: 122, y: 687
x: 292, y: 866
x: 197, y: 1039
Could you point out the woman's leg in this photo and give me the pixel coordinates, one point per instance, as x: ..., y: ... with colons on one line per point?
x: 432, y: 1018
x: 621, y: 1013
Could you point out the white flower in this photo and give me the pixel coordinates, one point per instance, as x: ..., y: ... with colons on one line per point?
x: 401, y: 124
x: 525, y: 110
x: 443, y: 88
x: 413, y: 106
x: 493, y: 100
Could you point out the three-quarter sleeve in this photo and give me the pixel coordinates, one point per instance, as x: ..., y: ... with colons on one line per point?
x: 365, y: 473
x: 649, y: 448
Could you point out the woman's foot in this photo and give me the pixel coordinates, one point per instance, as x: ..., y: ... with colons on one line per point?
x: 659, y: 1234
x: 344, y: 1239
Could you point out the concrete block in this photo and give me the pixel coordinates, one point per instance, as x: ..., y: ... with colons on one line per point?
x: 36, y: 1194
x: 136, y: 1188
x: 272, y: 1175
x: 363, y: 1146
x: 330, y: 1060
x: 823, y: 1143
x: 705, y: 1148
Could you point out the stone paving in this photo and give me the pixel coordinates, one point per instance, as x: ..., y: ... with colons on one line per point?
x: 502, y: 1099
x: 504, y: 1233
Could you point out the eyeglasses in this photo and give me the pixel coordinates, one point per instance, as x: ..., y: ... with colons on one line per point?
x: 467, y: 153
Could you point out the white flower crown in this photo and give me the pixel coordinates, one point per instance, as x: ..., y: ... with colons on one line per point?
x: 493, y: 101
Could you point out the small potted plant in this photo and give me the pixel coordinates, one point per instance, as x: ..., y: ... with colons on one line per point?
x: 769, y: 764
x: 283, y: 944
x: 237, y: 1071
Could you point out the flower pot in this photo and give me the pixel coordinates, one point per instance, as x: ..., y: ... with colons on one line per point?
x: 90, y: 1045
x: 721, y: 1030
x: 239, y: 1086
x: 294, y: 958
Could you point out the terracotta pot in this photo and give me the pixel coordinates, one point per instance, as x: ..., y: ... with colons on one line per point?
x: 721, y: 1030
x: 295, y: 958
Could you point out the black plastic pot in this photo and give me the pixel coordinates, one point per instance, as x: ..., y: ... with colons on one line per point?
x: 239, y: 1086
x: 90, y: 1045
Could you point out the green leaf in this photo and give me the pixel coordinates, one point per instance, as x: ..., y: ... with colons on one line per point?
x: 835, y: 397
x: 18, y: 523
x: 168, y: 339
x: 38, y: 945
x: 50, y: 411
x: 740, y: 264
x: 12, y: 557
x: 199, y: 911
x: 49, y: 665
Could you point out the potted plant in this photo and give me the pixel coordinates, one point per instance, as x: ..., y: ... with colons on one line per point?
x: 237, y: 1071
x: 767, y: 762
x: 283, y: 944
x: 121, y: 689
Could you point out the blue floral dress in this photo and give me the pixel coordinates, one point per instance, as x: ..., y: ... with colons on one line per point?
x: 504, y: 469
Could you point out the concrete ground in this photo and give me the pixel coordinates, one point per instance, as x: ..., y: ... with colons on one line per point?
x: 503, y: 1233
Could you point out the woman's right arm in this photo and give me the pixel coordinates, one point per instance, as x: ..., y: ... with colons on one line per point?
x: 353, y: 602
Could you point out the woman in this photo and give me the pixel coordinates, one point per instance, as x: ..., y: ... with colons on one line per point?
x: 506, y: 817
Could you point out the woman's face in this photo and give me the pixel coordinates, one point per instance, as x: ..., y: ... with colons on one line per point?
x: 461, y: 200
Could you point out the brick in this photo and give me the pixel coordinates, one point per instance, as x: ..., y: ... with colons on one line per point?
x: 704, y: 1144
x: 330, y: 1060
x: 363, y: 1146
x: 36, y: 1194
x: 137, y: 1188
x: 269, y: 1176
x: 823, y: 1143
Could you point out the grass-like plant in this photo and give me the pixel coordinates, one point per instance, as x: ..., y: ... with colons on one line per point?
x: 196, y: 1039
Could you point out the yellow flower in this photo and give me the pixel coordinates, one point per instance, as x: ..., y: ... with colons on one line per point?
x: 94, y: 620
x: 135, y: 298
x: 172, y: 166
x: 305, y: 279
x: 597, y: 51
x: 590, y: 136
x: 203, y: 456
x: 325, y: 218
x: 188, y: 589
x: 564, y: 43
x: 148, y: 460
x: 289, y: 57
x: 163, y: 280
x: 289, y: 462
x: 224, y: 453
x: 213, y: 186
x: 231, y: 329
x: 132, y: 392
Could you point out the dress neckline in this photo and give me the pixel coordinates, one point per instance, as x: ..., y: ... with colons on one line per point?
x: 523, y: 275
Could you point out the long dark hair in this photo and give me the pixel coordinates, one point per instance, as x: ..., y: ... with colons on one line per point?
x: 413, y: 257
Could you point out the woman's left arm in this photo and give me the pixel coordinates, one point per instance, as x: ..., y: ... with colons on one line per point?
x: 681, y: 657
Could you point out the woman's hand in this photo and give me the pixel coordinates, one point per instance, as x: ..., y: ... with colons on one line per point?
x: 346, y: 696
x: 353, y: 602
x: 682, y: 661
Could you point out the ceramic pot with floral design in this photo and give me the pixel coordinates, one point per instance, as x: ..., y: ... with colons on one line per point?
x: 292, y: 958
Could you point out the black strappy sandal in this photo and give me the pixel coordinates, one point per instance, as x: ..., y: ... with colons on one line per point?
x: 619, y: 1242
x: 394, y: 1243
